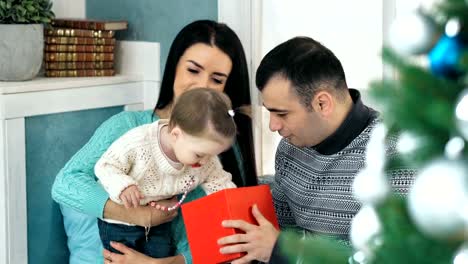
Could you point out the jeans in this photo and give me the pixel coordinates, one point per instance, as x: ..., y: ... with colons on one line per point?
x: 158, y: 244
x: 83, y: 237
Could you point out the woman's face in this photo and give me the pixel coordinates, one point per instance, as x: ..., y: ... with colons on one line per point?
x: 202, y: 65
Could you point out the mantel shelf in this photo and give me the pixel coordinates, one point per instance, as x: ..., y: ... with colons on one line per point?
x: 56, y: 105
x: 44, y: 84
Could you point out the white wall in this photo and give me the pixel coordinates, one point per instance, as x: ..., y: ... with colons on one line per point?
x: 354, y: 30
x: 69, y: 8
x: 351, y: 29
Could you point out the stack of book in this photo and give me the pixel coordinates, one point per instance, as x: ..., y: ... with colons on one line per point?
x: 79, y: 48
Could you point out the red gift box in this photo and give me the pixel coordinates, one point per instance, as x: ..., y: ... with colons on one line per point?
x: 203, y: 219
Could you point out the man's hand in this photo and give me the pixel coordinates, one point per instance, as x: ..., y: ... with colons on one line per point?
x: 257, y: 242
x: 131, y: 196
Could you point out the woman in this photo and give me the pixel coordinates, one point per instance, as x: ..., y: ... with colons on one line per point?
x: 203, y: 54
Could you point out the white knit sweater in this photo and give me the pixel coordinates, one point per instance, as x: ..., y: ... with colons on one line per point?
x: 136, y: 158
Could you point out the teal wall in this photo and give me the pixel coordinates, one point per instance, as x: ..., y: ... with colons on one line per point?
x: 50, y: 142
x: 52, y: 139
x: 153, y: 20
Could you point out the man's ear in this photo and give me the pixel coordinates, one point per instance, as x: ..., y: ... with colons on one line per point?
x: 323, y: 103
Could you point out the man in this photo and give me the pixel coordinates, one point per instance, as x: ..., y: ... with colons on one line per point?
x: 325, y: 129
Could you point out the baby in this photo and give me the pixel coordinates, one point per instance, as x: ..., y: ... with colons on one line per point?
x: 166, y: 158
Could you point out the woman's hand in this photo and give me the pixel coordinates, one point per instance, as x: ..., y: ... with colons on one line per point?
x: 142, y: 215
x: 258, y: 240
x: 128, y: 256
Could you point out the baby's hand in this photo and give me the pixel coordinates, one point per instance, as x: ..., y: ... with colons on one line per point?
x: 131, y: 196
x: 164, y: 204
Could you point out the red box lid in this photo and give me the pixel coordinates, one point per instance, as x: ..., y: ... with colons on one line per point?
x: 203, y: 218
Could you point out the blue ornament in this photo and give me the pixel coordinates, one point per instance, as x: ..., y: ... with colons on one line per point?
x: 444, y: 58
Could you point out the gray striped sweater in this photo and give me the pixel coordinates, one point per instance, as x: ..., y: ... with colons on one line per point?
x: 312, y: 187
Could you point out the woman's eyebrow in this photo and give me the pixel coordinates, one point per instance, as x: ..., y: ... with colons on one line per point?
x: 201, y: 67
x: 220, y: 74
x: 196, y: 64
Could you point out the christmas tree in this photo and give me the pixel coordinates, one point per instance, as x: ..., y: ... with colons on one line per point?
x: 425, y: 107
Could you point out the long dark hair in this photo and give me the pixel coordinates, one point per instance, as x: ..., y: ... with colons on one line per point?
x: 237, y: 88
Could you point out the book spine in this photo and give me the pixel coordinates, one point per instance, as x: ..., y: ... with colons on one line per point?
x: 58, y: 56
x: 79, y: 41
x: 93, y: 25
x: 79, y: 65
x: 67, y: 32
x: 79, y: 48
x: 79, y: 73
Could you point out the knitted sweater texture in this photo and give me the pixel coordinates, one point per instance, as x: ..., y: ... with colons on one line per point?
x: 76, y: 187
x: 313, y: 191
x: 137, y: 159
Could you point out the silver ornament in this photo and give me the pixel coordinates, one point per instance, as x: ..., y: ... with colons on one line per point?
x: 461, y: 256
x: 454, y: 147
x: 365, y: 230
x: 370, y: 185
x: 408, y: 142
x: 375, y: 150
x: 453, y: 27
x: 358, y: 258
x: 412, y: 33
x: 461, y: 114
x: 438, y: 200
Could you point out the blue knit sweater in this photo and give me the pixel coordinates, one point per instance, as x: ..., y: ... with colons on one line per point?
x: 75, y: 185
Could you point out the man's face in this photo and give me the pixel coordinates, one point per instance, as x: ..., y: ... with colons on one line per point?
x: 301, y: 126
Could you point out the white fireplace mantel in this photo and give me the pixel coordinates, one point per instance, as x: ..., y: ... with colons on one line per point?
x: 136, y: 86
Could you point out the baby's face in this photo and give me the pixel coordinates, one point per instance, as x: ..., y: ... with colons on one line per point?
x: 196, y: 151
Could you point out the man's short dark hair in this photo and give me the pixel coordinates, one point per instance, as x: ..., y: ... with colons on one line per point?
x: 307, y: 64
